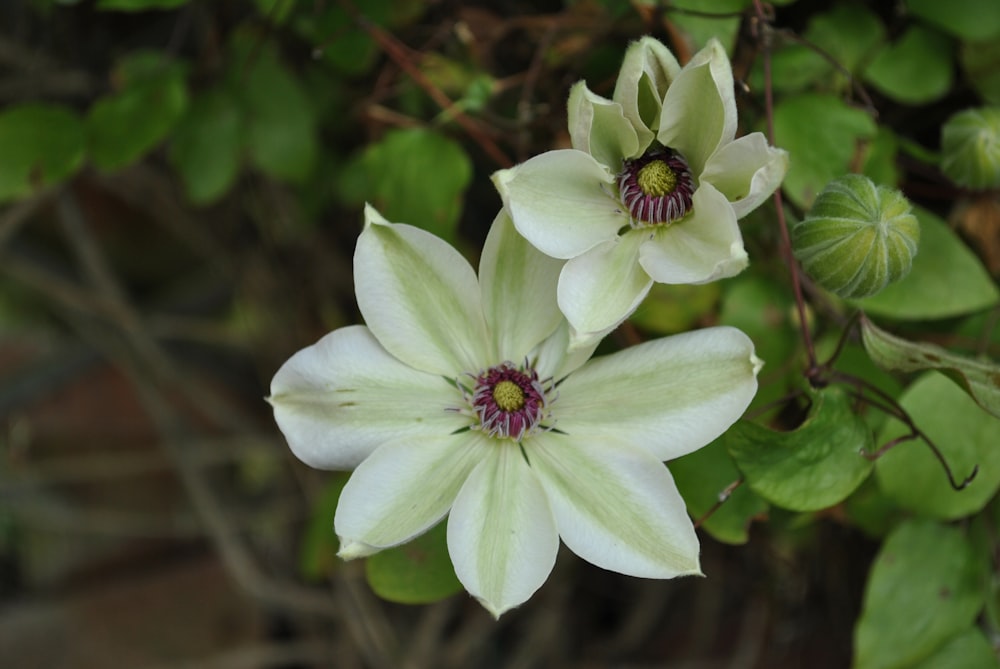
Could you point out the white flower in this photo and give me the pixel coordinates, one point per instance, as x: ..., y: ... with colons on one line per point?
x: 651, y: 190
x: 459, y: 398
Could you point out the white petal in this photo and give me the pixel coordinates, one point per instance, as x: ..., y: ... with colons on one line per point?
x: 519, y: 291
x: 699, y: 110
x: 339, y: 399
x: 564, y: 202
x: 599, y: 289
x: 646, y: 73
x: 419, y: 297
x: 598, y: 126
x: 747, y: 171
x: 557, y: 356
x: 704, y: 247
x: 669, y: 396
x: 501, y: 535
x: 615, y: 505
x: 403, y: 489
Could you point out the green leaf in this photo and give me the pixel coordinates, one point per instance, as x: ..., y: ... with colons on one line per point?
x: 828, y: 31
x: 981, y: 67
x: 764, y: 310
x: 126, y: 125
x: 794, y: 68
x: 342, y: 43
x: 139, y: 5
x: 206, y: 146
x: 318, y: 552
x: 701, y: 477
x: 946, y: 279
x: 916, y: 69
x: 275, y: 11
x: 414, y: 176
x: 418, y: 572
x: 965, y: 19
x: 965, y: 435
x: 821, y: 134
x: 966, y: 650
x: 854, y: 360
x: 669, y: 309
x: 874, y: 513
x: 812, y: 467
x: 923, y: 589
x: 700, y: 28
x: 978, y: 378
x: 281, y: 132
x: 880, y: 158
x: 42, y: 145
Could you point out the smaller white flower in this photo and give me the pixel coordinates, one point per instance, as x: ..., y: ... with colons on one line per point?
x: 459, y: 398
x: 651, y: 190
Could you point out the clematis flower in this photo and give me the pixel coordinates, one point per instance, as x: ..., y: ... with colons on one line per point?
x: 651, y: 190
x: 459, y: 398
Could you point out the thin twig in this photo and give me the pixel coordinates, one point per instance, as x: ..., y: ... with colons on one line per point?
x: 724, y: 496
x: 763, y: 31
x: 397, y: 52
x: 898, y: 412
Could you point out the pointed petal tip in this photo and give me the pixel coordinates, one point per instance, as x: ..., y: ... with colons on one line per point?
x: 494, y: 611
x: 352, y: 550
x: 757, y: 363
x: 501, y: 178
x: 372, y: 216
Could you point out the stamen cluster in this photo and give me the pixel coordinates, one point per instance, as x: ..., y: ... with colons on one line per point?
x: 510, y: 402
x: 657, y: 187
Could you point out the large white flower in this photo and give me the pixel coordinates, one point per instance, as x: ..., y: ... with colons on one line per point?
x: 459, y: 398
x: 650, y: 191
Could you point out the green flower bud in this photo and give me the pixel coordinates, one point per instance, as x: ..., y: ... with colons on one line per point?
x: 858, y: 237
x: 970, y: 144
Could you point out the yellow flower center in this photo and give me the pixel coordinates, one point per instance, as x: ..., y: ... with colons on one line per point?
x: 508, y: 396
x: 657, y: 179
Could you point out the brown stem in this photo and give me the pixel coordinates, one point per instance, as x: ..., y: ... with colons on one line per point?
x: 397, y: 52
x: 726, y: 493
x: 763, y: 30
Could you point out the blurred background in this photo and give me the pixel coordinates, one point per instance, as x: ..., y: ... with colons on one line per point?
x: 181, y: 185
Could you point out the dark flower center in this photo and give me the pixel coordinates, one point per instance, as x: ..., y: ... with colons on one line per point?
x: 509, y: 402
x: 656, y: 188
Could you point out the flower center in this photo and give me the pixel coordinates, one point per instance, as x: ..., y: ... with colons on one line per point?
x: 656, y: 179
x: 508, y: 396
x: 657, y: 188
x: 509, y: 402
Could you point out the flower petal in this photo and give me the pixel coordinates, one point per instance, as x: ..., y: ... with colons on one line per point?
x: 403, y: 489
x: 556, y: 357
x: 645, y: 75
x: 419, y: 297
x: 747, y: 171
x: 669, y: 396
x: 599, y: 289
x: 699, y: 110
x: 615, y: 505
x: 562, y: 201
x: 501, y: 534
x: 339, y: 399
x: 701, y: 248
x: 519, y: 291
x: 598, y: 126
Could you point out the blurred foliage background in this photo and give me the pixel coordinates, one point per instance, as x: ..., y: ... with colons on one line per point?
x: 181, y: 184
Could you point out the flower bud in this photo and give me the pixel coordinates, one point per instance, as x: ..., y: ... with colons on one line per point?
x: 858, y: 237
x: 970, y: 146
